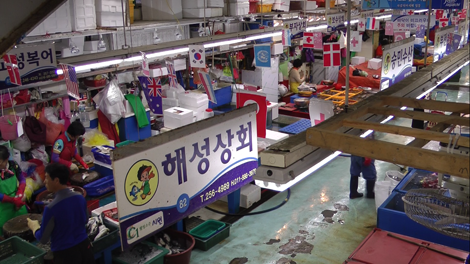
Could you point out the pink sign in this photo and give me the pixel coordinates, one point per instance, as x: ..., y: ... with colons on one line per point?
x: 389, y: 28
x: 318, y: 40
x: 463, y: 14
x: 397, y: 36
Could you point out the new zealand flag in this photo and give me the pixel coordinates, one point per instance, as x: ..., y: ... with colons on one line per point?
x: 153, y: 92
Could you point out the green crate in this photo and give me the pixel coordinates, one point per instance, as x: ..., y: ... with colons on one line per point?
x: 159, y: 259
x: 206, y: 244
x: 110, y: 239
x: 207, y: 229
x: 15, y: 250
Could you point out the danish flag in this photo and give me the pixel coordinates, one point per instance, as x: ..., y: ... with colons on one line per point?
x: 331, y: 54
x: 12, y: 67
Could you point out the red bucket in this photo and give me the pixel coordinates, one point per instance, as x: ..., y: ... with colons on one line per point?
x: 182, y: 239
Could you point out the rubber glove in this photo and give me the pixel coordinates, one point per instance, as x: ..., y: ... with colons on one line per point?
x: 83, y: 163
x: 73, y: 167
x: 33, y: 225
x: 367, y: 161
x: 20, y: 191
x: 17, y: 202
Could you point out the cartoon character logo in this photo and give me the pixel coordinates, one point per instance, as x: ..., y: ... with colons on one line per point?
x: 387, y: 63
x: 141, y: 182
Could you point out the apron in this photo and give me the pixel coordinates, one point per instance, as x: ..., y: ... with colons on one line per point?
x: 294, y: 86
x: 69, y: 148
x: 8, y: 186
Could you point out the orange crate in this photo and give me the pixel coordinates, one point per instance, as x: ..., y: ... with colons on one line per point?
x: 266, y: 8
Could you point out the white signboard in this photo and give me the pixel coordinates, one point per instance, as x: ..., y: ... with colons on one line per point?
x: 335, y: 20
x: 463, y: 31
x: 296, y: 26
x: 366, y: 14
x: 158, y: 186
x: 441, y: 39
x: 396, y: 63
x: 412, y: 22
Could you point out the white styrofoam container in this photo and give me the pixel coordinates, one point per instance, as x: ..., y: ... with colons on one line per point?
x: 171, y: 102
x: 281, y: 5
x: 197, y: 112
x: 83, y: 14
x: 92, y: 46
x: 177, y: 117
x: 103, y: 208
x: 110, y: 6
x: 59, y: 21
x: 157, y: 72
x: 233, y: 27
x: 374, y: 64
x: 274, y: 108
x: 277, y: 49
x: 143, y: 37
x: 200, y: 3
x: 158, y: 9
x: 239, y: 9
x: 109, y: 19
x: 64, y: 46
x: 357, y: 60
x: 419, y: 40
x: 194, y: 100
x: 249, y: 194
x: 179, y: 64
x: 199, y: 12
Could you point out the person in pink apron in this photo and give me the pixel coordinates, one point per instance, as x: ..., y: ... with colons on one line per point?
x: 64, y: 149
x: 12, y: 184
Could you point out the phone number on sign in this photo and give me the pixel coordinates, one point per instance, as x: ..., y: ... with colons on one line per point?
x: 226, y: 186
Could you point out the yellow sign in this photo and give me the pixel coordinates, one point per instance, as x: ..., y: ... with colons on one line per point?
x: 141, y: 182
x: 387, y: 63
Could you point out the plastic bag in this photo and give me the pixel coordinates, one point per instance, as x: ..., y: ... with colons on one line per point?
x: 40, y: 154
x: 110, y: 102
x: 22, y: 143
x: 95, y: 138
x: 52, y: 129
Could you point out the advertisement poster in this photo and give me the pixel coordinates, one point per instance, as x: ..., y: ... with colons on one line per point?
x: 396, y: 62
x: 441, y: 39
x: 159, y: 182
x: 463, y: 31
x: 35, y: 63
x: 263, y: 55
x: 412, y: 22
x: 418, y: 4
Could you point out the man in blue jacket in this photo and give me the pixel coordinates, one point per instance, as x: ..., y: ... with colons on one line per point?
x: 64, y: 220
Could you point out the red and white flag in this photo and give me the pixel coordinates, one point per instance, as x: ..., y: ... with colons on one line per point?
x: 463, y: 14
x: 439, y: 13
x: 409, y: 12
x: 145, y: 65
x: 207, y: 83
x: 308, y: 40
x: 356, y: 41
x: 71, y: 80
x: 12, y: 66
x: 372, y: 24
x: 246, y: 98
x: 172, y: 75
x: 443, y: 22
x: 286, y: 37
x: 361, y: 25
x: 331, y: 54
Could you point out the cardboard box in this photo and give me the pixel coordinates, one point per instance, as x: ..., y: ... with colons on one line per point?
x: 357, y: 60
x: 374, y: 64
x: 277, y: 49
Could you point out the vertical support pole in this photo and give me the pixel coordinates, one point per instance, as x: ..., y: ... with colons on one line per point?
x: 348, y: 56
x: 427, y: 33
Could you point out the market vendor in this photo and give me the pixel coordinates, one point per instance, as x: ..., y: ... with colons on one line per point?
x: 295, y: 77
x: 12, y: 184
x: 65, y: 147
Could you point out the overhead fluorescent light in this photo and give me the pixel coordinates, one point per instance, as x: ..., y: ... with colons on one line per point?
x: 268, y: 35
x: 59, y: 72
x: 222, y: 43
x: 167, y: 52
x: 87, y: 67
x: 318, y: 27
x: 441, y: 81
x: 384, y: 17
x: 421, y: 11
x: 355, y: 21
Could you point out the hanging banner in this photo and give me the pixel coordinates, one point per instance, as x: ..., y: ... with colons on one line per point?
x: 263, y: 56
x: 247, y: 97
x: 361, y: 25
x: 331, y: 54
x: 397, y: 62
x: 162, y: 180
x: 318, y: 40
x: 440, y: 42
x: 412, y: 22
x: 372, y: 23
x: 197, y: 56
x: 286, y: 37
x: 456, y: 42
x: 152, y: 88
x: 308, y: 40
x: 439, y: 13
x: 11, y: 63
x: 208, y: 87
x: 296, y: 26
x: 356, y: 41
x: 418, y: 4
x: 463, y: 31
x: 421, y: 31
x: 389, y: 28
x: 145, y: 65
x: 366, y: 14
x: 443, y: 22
x: 35, y: 64
x: 399, y: 36
x: 335, y: 20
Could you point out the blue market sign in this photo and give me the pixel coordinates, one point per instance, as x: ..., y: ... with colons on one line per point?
x: 404, y: 4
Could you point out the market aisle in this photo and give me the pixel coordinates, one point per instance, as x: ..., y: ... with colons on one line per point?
x: 301, y: 230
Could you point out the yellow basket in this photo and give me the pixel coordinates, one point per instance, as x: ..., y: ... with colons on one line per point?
x: 131, y: 11
x: 332, y: 3
x: 266, y: 8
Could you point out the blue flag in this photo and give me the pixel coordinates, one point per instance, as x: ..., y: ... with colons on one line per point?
x: 152, y: 88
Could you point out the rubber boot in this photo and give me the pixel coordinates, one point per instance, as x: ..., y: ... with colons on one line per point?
x: 353, y: 184
x: 370, y: 184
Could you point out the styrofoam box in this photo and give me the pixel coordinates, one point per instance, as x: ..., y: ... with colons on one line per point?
x: 158, y: 9
x: 249, y: 194
x: 92, y: 46
x: 277, y: 48
x: 199, y: 12
x: 233, y: 27
x: 419, y: 40
x: 179, y: 64
x: 281, y: 5
x: 109, y: 19
x: 198, y: 112
x: 143, y: 37
x: 374, y: 64
x: 177, y: 117
x: 101, y: 209
x: 193, y: 99
x: 239, y: 9
x: 171, y: 102
x: 83, y: 14
x: 109, y: 6
x: 57, y: 22
x: 357, y: 60
x: 157, y: 72
x: 275, y: 109
x: 200, y: 3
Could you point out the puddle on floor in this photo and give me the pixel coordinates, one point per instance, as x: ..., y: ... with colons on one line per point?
x: 341, y: 221
x: 341, y: 207
x: 296, y: 245
x: 239, y: 261
x: 328, y: 213
x: 272, y: 241
x: 285, y: 261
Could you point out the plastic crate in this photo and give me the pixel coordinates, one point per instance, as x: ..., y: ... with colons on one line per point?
x: 100, y: 187
x: 206, y: 244
x: 15, y: 250
x: 124, y: 143
x: 412, y: 180
x: 223, y: 96
x: 101, y: 157
x: 159, y: 259
x: 207, y: 229
x: 265, y: 8
x: 297, y: 127
x: 391, y: 216
x: 105, y: 242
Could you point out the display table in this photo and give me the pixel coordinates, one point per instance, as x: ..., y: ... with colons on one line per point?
x: 356, y: 81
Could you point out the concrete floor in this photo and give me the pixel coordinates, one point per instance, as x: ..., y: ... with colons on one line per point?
x: 319, y: 223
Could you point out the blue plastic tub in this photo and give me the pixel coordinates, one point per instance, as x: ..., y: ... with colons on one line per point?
x: 100, y: 187
x: 100, y: 156
x: 223, y: 96
x: 391, y: 216
x: 413, y: 179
